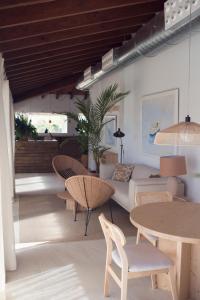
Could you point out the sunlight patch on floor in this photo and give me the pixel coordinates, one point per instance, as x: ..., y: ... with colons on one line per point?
x: 37, y: 183
x: 20, y: 246
x: 30, y: 184
x: 59, y: 283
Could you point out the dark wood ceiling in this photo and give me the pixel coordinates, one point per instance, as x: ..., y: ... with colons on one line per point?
x: 47, y: 44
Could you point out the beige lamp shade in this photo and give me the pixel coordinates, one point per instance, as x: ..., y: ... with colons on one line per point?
x: 182, y: 134
x: 172, y: 165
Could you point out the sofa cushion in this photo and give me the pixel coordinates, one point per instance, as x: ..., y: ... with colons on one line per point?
x: 122, y: 172
x: 143, y: 171
x: 106, y: 170
x: 121, y: 192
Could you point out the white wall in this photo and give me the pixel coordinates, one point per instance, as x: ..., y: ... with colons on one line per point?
x: 49, y: 103
x: 167, y: 70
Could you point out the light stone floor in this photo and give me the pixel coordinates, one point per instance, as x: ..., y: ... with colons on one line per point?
x: 69, y: 270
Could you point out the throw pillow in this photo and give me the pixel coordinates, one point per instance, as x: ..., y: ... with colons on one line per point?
x: 154, y: 176
x: 67, y: 173
x: 122, y: 172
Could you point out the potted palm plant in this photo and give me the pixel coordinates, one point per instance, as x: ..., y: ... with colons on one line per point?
x: 82, y: 120
x: 108, y: 98
x: 91, y: 126
x: 24, y: 129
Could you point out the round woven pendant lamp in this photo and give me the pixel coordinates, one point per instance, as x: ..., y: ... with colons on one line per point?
x: 182, y: 134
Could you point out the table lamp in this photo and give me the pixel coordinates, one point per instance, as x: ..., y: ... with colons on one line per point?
x: 172, y: 166
x: 120, y: 134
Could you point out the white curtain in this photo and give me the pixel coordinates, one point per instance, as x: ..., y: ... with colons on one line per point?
x: 7, y: 245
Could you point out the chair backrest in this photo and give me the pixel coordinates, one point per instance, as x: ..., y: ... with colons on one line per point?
x: 113, y: 234
x: 89, y: 191
x: 152, y: 197
x: 63, y: 162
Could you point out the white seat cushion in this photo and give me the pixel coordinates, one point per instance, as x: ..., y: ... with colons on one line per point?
x: 143, y: 257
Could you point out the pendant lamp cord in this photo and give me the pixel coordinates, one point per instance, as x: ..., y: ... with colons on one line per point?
x: 189, y: 58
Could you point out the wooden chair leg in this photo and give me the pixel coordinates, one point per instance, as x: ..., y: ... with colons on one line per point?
x: 138, y: 237
x: 110, y: 208
x: 172, y: 279
x: 154, y: 282
x: 124, y: 283
x: 106, y: 282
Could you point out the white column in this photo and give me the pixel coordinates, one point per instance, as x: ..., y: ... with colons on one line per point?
x: 2, y: 261
x: 6, y: 178
x: 8, y: 115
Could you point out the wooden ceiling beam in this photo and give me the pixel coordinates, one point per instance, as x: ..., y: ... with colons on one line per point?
x: 73, y: 42
x: 41, y: 79
x: 43, y: 73
x: 26, y: 55
x: 38, y: 76
x: 66, y: 23
x: 56, y: 64
x: 68, y: 83
x: 70, y: 35
x: 5, y: 4
x: 46, y: 11
x: 81, y: 66
x: 22, y: 82
x: 74, y: 92
x: 19, y: 90
x: 60, y: 54
x: 63, y: 58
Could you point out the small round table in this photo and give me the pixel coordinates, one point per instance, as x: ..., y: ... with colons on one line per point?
x: 174, y: 221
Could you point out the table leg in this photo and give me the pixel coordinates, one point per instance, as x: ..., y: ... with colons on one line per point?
x: 180, y: 254
x: 183, y: 270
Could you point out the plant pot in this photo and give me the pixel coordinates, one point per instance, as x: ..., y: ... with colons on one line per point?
x: 84, y: 160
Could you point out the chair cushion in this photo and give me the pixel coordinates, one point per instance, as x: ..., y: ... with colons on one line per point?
x: 122, y: 172
x: 67, y: 173
x: 143, y: 257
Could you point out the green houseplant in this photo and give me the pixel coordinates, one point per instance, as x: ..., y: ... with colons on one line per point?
x: 24, y: 128
x: 108, y: 98
x: 90, y: 127
x: 82, y: 127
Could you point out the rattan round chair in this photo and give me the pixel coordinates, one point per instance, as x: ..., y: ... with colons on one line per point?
x: 63, y: 162
x: 90, y: 192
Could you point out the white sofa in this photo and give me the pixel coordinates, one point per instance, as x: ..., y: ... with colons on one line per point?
x: 140, y: 182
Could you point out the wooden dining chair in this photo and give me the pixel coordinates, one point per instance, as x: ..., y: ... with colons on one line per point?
x: 90, y: 192
x: 143, y: 198
x: 134, y: 260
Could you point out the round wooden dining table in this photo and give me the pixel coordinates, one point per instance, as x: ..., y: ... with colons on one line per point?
x: 172, y: 221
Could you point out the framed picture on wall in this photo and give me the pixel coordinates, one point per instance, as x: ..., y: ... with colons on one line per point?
x: 158, y: 111
x: 111, y: 126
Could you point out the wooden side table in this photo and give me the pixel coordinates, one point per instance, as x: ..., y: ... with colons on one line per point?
x: 70, y: 202
x: 176, y: 224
